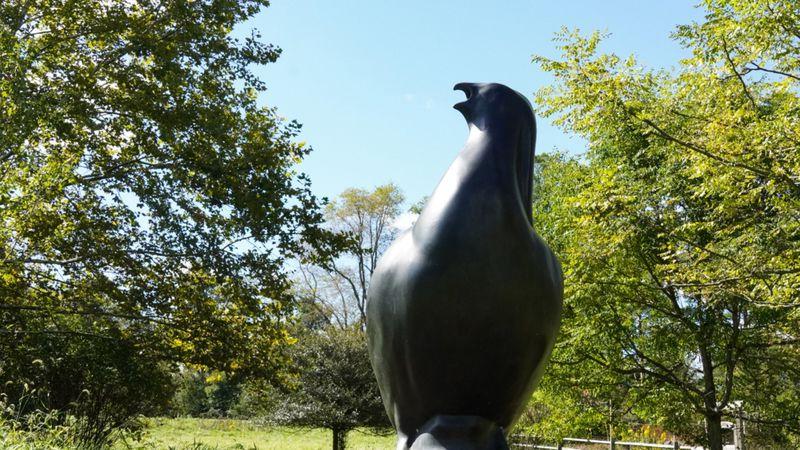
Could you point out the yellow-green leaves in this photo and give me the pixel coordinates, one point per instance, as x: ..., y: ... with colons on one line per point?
x: 679, y: 230
x: 146, y: 199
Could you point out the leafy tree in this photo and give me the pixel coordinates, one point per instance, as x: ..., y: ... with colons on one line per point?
x: 256, y: 398
x: 551, y: 416
x: 578, y: 398
x: 336, y: 387
x: 147, y: 201
x: 680, y: 239
x: 202, y: 394
x: 417, y: 207
x: 338, y: 285
x: 190, y: 397
x: 105, y: 383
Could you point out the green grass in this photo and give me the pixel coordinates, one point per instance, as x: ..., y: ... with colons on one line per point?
x: 204, y: 434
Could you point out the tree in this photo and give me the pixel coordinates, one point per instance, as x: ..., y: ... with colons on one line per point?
x: 338, y: 285
x: 577, y: 397
x: 681, y: 247
x: 191, y: 398
x: 336, y: 387
x: 146, y: 199
x: 203, y: 394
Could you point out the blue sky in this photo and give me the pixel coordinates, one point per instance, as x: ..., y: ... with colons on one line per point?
x: 371, y: 81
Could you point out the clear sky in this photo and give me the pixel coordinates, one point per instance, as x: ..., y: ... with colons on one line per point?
x: 371, y: 81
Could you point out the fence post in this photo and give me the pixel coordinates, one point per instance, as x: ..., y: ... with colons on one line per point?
x: 676, y: 445
x: 613, y: 444
x: 560, y: 445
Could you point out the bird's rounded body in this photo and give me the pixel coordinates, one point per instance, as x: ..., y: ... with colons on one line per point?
x: 464, y: 308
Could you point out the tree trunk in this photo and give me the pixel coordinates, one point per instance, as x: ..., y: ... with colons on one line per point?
x: 714, y: 431
x: 339, y: 439
x: 712, y: 411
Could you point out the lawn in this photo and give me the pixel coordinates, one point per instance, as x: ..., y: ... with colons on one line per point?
x: 203, y: 434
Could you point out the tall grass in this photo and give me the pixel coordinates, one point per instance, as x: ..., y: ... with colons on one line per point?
x: 37, y: 431
x: 29, y: 425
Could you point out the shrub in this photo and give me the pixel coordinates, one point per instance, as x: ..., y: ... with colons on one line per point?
x: 336, y: 388
x: 95, y: 388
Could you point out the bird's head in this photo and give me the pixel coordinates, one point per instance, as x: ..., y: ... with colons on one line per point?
x: 507, y: 115
x: 491, y: 105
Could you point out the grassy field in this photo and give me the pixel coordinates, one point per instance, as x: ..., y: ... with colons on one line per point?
x: 203, y: 434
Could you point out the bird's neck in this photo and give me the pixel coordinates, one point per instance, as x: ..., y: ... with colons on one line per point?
x: 492, y: 173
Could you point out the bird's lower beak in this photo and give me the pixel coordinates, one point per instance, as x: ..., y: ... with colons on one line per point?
x: 469, y: 90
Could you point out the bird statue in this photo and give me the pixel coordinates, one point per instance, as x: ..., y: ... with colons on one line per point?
x: 463, y: 309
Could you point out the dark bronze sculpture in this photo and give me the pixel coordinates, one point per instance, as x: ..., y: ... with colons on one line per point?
x: 464, y: 308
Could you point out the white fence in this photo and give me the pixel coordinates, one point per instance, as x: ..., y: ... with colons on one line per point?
x: 612, y: 444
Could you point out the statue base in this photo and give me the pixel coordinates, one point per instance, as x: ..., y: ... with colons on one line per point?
x: 457, y: 433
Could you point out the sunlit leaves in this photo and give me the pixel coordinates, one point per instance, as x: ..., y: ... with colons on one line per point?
x: 679, y: 230
x: 145, y: 193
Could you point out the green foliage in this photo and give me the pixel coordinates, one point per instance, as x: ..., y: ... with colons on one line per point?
x: 417, y: 207
x: 147, y: 201
x: 20, y: 430
x: 551, y: 416
x: 679, y: 232
x: 223, y: 394
x: 191, y: 398
x: 217, y: 394
x: 35, y: 431
x: 105, y: 384
x: 256, y: 399
x: 335, y: 387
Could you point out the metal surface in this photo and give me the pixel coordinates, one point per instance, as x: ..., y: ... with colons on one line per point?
x: 463, y: 309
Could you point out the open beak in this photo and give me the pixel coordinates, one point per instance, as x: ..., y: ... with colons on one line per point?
x: 469, y: 90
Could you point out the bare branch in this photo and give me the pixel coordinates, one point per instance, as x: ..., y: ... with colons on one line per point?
x: 757, y: 68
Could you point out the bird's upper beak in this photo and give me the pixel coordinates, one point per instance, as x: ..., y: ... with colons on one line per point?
x: 470, y: 89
